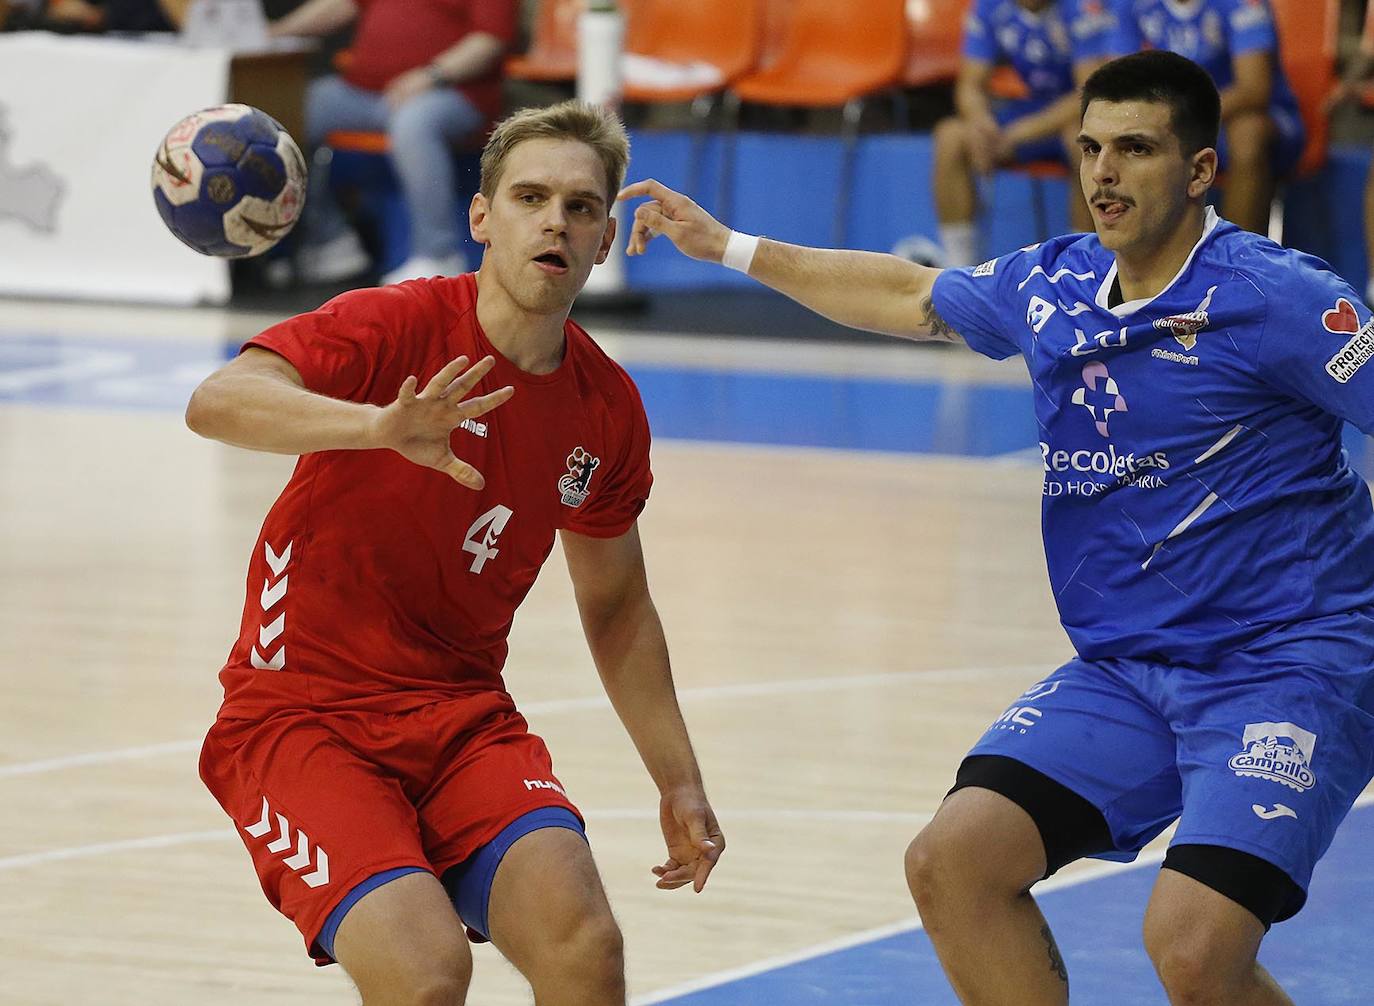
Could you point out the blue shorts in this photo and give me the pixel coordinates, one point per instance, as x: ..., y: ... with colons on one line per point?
x: 1047, y: 148
x: 468, y: 884
x: 1266, y: 752
x: 1290, y: 137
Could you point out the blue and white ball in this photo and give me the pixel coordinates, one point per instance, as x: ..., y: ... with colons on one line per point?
x: 229, y: 181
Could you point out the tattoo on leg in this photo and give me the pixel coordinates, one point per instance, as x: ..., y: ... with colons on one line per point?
x: 1056, y: 959
x: 940, y: 330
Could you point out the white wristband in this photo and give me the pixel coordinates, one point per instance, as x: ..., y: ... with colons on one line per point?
x: 739, y: 251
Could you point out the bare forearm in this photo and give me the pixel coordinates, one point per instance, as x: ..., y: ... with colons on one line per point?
x: 265, y: 413
x: 474, y: 56
x: 316, y: 17
x: 1237, y: 99
x: 1050, y: 121
x: 867, y: 290
x: 631, y: 656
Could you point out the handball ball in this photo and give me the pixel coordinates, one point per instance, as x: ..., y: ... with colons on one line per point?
x: 229, y: 181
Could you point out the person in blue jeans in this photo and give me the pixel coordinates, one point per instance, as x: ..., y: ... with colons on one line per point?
x: 1052, y: 45
x: 425, y: 72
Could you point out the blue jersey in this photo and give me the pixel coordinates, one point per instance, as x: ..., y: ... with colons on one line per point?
x: 1196, y: 494
x: 1212, y: 33
x: 1042, y: 46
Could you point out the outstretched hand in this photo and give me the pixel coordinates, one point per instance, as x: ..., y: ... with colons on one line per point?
x: 693, y: 837
x: 417, y: 425
x: 696, y: 233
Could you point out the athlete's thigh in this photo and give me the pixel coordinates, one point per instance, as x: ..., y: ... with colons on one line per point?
x: 1277, y: 742
x: 1088, y: 728
x: 316, y: 816
x: 546, y: 887
x: 495, y: 771
x: 402, y: 935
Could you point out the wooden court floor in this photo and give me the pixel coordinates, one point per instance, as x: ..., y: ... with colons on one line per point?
x: 842, y: 625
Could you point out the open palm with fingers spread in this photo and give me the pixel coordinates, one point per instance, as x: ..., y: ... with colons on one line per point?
x: 417, y: 426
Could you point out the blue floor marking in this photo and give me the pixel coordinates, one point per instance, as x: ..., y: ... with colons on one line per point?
x: 1321, y: 957
x: 917, y: 416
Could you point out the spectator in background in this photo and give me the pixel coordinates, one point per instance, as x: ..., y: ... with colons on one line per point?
x: 1356, y: 74
x: 1262, y: 135
x: 1052, y: 45
x: 77, y: 16
x: 425, y: 72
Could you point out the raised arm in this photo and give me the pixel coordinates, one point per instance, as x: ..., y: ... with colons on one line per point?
x: 867, y: 290
x: 258, y: 401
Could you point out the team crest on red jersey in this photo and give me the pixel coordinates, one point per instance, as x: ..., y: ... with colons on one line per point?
x: 574, y: 485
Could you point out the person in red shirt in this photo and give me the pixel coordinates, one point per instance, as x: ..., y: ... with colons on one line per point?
x: 428, y: 74
x: 367, y: 750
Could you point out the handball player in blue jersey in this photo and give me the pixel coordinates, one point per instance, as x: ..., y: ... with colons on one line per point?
x: 1210, y: 551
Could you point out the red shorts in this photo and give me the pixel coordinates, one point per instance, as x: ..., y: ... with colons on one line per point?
x: 323, y: 800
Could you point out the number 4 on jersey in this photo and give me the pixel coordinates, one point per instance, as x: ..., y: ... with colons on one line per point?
x: 483, y: 547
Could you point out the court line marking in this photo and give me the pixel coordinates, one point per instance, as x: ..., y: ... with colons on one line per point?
x: 705, y: 693
x: 171, y: 839
x: 1095, y: 871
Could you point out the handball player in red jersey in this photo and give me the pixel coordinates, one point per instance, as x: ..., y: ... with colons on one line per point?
x: 377, y: 771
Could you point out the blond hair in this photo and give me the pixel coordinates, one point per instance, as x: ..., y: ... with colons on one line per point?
x: 597, y: 127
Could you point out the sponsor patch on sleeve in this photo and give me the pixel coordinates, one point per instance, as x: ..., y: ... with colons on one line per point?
x: 986, y: 269
x: 1353, y: 355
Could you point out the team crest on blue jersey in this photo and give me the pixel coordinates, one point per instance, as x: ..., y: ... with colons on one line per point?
x: 1279, y: 752
x: 574, y: 485
x: 1185, y: 327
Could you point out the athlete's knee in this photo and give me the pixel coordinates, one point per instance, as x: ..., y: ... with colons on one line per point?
x: 1250, y: 137
x: 951, y: 139
x: 596, y: 942
x: 945, y: 869
x: 1195, y: 966
x: 437, y: 981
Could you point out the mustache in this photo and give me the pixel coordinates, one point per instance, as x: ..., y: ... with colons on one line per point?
x: 1108, y: 196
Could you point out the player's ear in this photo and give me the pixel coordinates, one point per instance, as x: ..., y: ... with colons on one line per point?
x: 607, y: 239
x: 477, y: 218
x: 1204, y: 172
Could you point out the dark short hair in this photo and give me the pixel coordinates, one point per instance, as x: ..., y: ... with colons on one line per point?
x: 1168, y: 78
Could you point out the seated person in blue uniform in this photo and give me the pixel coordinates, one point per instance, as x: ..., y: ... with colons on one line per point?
x: 1047, y: 42
x: 1235, y: 41
x: 1210, y: 550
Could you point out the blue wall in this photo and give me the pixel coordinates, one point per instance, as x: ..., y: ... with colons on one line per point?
x: 785, y: 186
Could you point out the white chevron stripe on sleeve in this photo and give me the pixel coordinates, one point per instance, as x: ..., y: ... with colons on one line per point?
x: 275, y: 664
x: 273, y: 592
x: 283, y: 840
x: 267, y: 633
x: 302, y: 856
x: 320, y: 876
x: 261, y: 828
x: 277, y: 562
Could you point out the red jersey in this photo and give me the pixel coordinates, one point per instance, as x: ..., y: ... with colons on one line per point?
x: 393, y: 36
x: 376, y: 578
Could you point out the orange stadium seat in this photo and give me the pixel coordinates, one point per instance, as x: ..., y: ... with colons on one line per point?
x: 830, y: 54
x: 1307, y: 47
x: 552, y: 55
x: 935, y: 30
x: 826, y: 55
x: 725, y: 34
